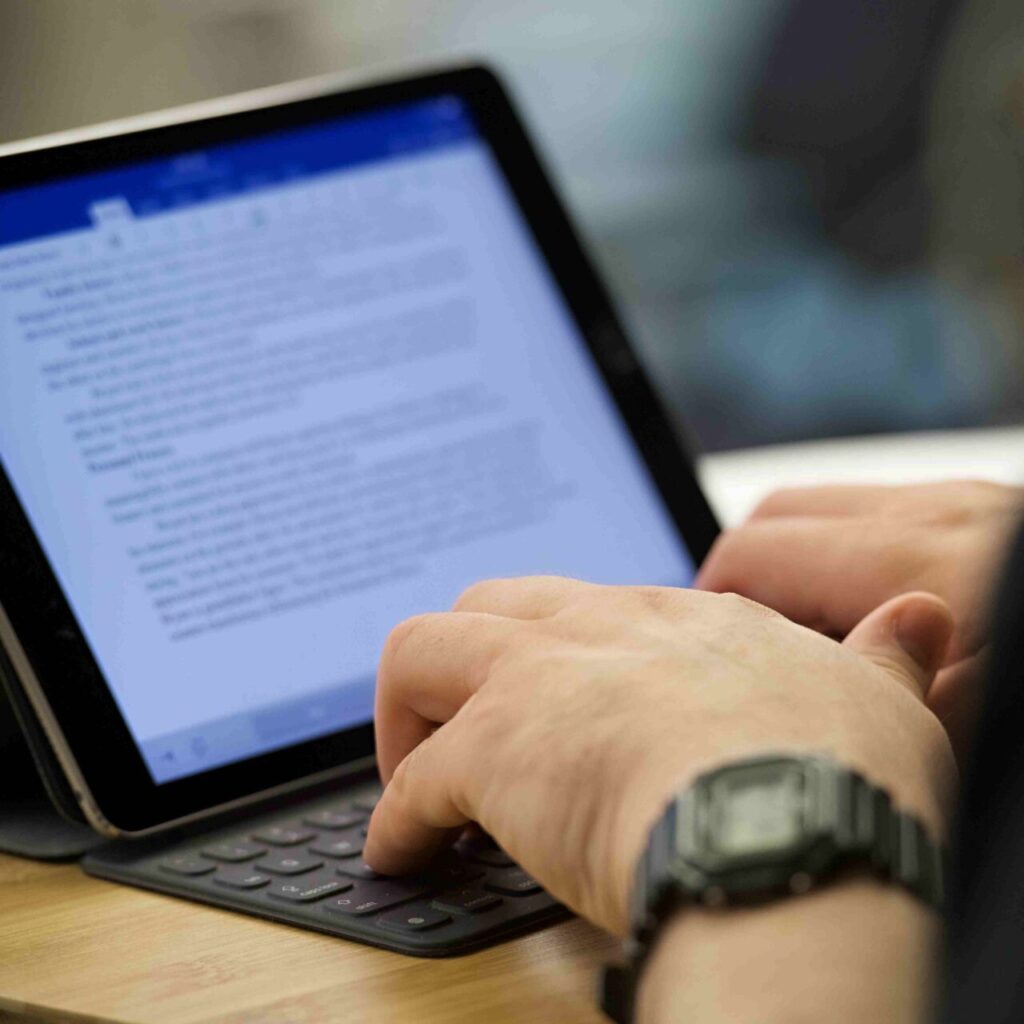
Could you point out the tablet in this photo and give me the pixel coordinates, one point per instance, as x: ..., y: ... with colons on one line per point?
x: 276, y: 374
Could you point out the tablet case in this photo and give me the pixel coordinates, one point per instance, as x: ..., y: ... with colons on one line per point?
x: 39, y: 816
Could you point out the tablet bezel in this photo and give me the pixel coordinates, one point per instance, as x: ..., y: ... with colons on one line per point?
x: 53, y: 658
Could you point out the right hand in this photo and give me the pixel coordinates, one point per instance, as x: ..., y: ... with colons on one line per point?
x: 560, y: 716
x: 825, y: 556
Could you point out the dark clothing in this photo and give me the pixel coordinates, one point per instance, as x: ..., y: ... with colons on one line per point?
x: 843, y: 93
x: 985, y: 970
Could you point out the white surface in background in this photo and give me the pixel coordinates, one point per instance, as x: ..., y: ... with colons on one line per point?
x: 736, y: 481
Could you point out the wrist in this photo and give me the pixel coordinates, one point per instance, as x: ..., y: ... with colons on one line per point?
x: 857, y: 950
x: 916, y: 790
x: 757, y: 831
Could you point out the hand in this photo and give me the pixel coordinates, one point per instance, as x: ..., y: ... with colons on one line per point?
x: 561, y: 716
x: 825, y: 556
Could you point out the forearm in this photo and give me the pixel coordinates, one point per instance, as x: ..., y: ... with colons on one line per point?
x: 858, y: 951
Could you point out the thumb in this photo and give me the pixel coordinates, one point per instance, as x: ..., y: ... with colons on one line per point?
x: 907, y: 638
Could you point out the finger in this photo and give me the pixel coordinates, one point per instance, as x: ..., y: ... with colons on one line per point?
x: 907, y: 638
x: 833, y: 500
x: 430, y: 666
x: 823, y: 573
x: 956, y: 699
x: 421, y: 810
x: 528, y: 597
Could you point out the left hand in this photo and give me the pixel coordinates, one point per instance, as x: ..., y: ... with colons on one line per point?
x: 561, y: 716
x: 825, y: 556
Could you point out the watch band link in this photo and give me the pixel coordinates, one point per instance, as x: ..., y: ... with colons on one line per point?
x: 867, y: 830
x: 897, y: 844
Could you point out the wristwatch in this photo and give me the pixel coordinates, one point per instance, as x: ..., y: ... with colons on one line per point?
x: 758, y: 829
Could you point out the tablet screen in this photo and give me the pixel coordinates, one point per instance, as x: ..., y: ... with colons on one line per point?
x: 262, y: 401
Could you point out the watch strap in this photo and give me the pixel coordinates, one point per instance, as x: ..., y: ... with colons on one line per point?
x: 867, y: 831
x: 896, y: 844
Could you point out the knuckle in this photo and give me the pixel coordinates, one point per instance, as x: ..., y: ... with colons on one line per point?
x: 979, y: 500
x: 722, y: 559
x: 657, y: 599
x: 959, y: 507
x: 737, y: 604
x: 954, y: 504
x: 901, y: 557
x: 523, y: 643
x: 402, y: 635
x: 413, y: 768
x: 781, y: 497
x: 725, y: 542
x: 400, y: 782
x: 475, y: 594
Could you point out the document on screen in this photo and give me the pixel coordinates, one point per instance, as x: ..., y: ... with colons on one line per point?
x: 256, y: 433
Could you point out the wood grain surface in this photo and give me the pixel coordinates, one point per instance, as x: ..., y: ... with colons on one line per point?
x: 74, y: 948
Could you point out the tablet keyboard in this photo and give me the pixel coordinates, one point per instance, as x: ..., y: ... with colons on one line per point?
x: 304, y: 867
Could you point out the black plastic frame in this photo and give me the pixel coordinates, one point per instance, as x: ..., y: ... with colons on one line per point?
x: 67, y: 672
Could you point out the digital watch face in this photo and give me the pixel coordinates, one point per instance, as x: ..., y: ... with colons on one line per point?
x: 263, y: 399
x: 757, y: 811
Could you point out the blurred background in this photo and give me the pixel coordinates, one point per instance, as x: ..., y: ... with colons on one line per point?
x: 810, y: 211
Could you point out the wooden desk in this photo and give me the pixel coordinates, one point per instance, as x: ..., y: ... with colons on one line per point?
x: 74, y: 948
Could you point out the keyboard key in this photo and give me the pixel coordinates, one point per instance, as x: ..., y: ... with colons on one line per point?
x: 417, y: 917
x: 467, y: 901
x: 369, y: 897
x: 187, y: 864
x: 234, y: 852
x: 335, y: 819
x: 450, y: 872
x: 515, y: 882
x: 483, y: 850
x: 358, y: 869
x: 308, y: 890
x: 367, y: 801
x: 284, y: 835
x: 343, y: 846
x: 241, y: 878
x: 297, y: 863
x: 355, y: 904
x: 494, y: 858
x: 474, y: 835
